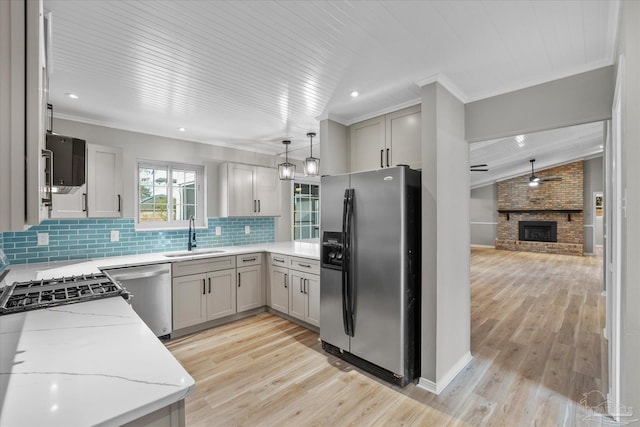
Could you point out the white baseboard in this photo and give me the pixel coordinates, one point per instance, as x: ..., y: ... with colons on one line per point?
x: 437, y: 388
x: 482, y: 246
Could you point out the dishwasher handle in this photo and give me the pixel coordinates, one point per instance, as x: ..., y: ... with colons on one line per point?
x: 137, y: 273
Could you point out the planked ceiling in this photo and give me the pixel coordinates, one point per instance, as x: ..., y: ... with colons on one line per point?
x: 249, y: 74
x: 509, y: 157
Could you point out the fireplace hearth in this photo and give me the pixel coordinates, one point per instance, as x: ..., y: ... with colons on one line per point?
x: 538, y: 231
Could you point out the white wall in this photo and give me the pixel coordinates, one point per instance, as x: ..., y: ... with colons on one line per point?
x: 593, y: 182
x: 446, y: 302
x: 582, y: 98
x: 629, y: 46
x: 483, y: 213
x: 144, y: 146
x: 333, y: 146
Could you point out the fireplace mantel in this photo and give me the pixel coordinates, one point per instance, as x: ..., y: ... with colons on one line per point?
x: 560, y: 211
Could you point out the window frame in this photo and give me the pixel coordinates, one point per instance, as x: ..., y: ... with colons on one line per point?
x: 307, y: 181
x: 200, y: 198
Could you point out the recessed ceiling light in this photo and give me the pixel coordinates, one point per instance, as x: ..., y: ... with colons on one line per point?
x: 354, y: 93
x: 72, y: 95
x: 181, y: 129
x: 602, y: 146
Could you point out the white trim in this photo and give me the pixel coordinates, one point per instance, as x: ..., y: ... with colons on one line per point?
x: 438, y: 387
x: 387, y: 110
x: 482, y: 223
x: 473, y: 245
x: 589, y: 226
x: 446, y: 83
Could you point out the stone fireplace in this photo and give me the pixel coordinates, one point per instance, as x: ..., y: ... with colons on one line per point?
x: 547, y: 218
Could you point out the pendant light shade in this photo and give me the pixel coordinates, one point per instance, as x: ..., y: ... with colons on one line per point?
x: 286, y: 170
x: 311, y: 164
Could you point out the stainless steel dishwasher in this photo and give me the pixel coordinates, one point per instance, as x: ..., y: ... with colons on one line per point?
x: 150, y: 286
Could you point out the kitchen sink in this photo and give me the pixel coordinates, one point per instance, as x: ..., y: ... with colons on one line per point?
x: 192, y: 253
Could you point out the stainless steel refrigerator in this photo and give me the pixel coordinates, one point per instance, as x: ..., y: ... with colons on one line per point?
x: 370, y: 271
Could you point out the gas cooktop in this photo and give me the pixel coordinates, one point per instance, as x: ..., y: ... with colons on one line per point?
x: 24, y: 296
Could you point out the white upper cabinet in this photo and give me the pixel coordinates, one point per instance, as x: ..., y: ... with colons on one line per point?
x: 23, y: 102
x: 246, y: 190
x: 386, y: 141
x: 104, y: 181
x: 404, y: 137
x: 367, y: 145
x: 100, y: 196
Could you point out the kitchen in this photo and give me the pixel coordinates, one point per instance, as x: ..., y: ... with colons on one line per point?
x: 139, y: 144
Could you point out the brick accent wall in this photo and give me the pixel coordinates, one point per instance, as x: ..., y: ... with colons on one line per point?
x: 516, y: 194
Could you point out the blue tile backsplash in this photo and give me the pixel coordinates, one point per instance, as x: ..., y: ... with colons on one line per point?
x: 91, y: 238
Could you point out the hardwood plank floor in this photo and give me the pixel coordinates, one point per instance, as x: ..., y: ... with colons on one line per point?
x: 536, y: 326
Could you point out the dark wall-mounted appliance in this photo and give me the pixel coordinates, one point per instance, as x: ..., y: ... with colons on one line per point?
x: 69, y: 162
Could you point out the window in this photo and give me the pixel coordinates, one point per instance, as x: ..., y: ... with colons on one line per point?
x: 306, y: 211
x: 168, y: 194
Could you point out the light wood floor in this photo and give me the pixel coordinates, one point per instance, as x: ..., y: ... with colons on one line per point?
x: 536, y: 323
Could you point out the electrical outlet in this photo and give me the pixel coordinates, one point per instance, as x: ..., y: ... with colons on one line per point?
x: 115, y: 235
x: 247, y: 229
x: 43, y: 239
x: 218, y: 231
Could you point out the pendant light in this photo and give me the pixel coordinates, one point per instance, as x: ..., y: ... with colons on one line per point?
x: 311, y: 164
x: 286, y: 170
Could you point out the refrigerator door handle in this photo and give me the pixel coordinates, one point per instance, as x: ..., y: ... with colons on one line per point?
x: 347, y: 289
x: 345, y: 258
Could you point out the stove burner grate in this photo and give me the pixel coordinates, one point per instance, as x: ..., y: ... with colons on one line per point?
x: 23, y: 296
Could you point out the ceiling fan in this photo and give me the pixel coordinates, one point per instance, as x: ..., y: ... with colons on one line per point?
x: 534, y: 180
x: 479, y: 168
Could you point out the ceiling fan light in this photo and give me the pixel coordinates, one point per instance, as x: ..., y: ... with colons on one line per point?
x: 533, y: 184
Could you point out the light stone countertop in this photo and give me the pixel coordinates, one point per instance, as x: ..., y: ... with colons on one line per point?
x: 24, y: 272
x: 96, y: 362
x: 90, y: 363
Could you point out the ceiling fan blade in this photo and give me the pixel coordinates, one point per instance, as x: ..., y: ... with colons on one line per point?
x: 484, y: 165
x: 479, y: 170
x: 555, y: 178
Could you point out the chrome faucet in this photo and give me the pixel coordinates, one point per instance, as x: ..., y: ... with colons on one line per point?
x: 192, y: 234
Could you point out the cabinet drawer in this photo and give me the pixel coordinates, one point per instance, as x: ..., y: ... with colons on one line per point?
x: 249, y: 259
x: 304, y: 264
x: 280, y: 260
x: 204, y: 265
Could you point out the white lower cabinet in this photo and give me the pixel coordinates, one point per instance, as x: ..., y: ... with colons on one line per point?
x: 203, y: 290
x: 249, y: 282
x: 280, y: 289
x: 304, y: 296
x: 198, y: 298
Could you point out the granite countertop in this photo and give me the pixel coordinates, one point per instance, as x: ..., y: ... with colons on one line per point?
x: 90, y: 363
x: 24, y: 272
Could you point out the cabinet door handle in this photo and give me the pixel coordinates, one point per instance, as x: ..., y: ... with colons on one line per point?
x: 304, y: 265
x: 239, y: 277
x: 48, y: 180
x: 84, y: 202
x: 306, y: 286
x: 381, y: 153
x: 286, y: 276
x: 248, y: 259
x: 209, y: 284
x: 254, y: 206
x: 278, y: 260
x: 203, y: 287
x: 387, y: 157
x: 301, y: 291
x: 119, y: 203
